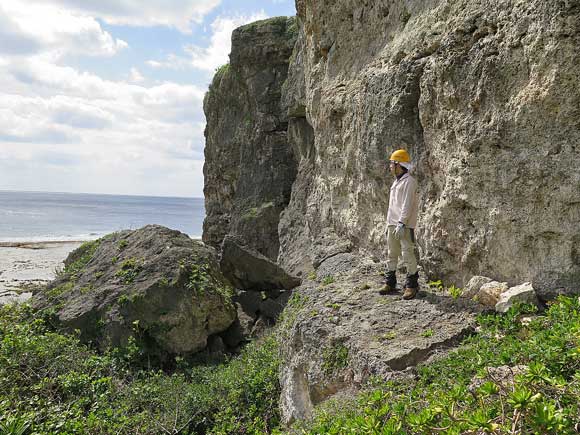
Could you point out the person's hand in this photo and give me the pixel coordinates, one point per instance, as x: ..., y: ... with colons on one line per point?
x: 399, y: 230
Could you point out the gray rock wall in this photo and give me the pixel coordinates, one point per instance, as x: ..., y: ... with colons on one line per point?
x: 249, y: 166
x: 486, y: 97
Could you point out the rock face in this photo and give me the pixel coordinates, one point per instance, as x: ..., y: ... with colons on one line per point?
x: 249, y: 166
x: 484, y: 95
x: 154, y: 284
x: 247, y: 269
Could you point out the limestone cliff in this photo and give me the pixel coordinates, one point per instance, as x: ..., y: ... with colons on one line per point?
x: 486, y: 97
x: 249, y: 167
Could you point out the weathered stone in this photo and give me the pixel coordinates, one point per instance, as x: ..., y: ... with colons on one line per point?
x: 247, y: 269
x: 154, y: 284
x: 523, y: 293
x: 337, y: 264
x: 484, y: 95
x: 340, y: 334
x: 489, y: 293
x: 249, y: 301
x: 271, y: 308
x: 474, y: 285
x: 249, y: 165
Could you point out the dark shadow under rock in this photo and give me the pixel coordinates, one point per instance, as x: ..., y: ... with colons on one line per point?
x: 247, y: 269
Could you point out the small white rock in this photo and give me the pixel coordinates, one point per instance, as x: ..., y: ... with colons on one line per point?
x: 523, y: 293
x: 489, y: 293
x: 474, y: 285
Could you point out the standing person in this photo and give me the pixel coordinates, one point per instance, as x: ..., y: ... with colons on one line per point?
x: 401, y: 222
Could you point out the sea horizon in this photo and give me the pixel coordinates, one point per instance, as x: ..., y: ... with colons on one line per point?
x: 44, y: 217
x: 101, y: 194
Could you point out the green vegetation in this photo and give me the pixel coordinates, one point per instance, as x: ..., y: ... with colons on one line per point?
x: 82, y: 256
x: 334, y: 358
x: 427, y: 333
x: 327, y: 280
x: 436, y: 285
x: 51, y: 384
x: 455, y: 292
x: 459, y: 395
x: 389, y: 335
x: 129, y: 270
x: 63, y: 288
x: 122, y: 244
x: 220, y: 71
x: 292, y: 29
x: 202, y: 281
x: 254, y: 212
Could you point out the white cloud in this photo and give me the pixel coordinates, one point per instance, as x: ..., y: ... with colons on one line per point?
x: 67, y: 129
x: 135, y: 76
x: 216, y: 54
x: 111, y: 130
x: 42, y: 28
x: 180, y: 14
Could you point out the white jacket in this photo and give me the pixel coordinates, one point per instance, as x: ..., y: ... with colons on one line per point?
x: 403, y: 202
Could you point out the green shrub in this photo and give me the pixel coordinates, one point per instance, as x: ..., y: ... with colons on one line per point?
x: 52, y: 384
x: 83, y: 255
x: 129, y: 270
x: 542, y: 400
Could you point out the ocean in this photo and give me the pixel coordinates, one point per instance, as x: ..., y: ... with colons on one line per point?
x: 43, y: 216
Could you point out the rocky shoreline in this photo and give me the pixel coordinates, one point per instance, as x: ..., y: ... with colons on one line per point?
x: 24, y: 265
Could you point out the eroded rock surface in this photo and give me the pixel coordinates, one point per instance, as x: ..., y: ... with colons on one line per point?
x: 247, y: 269
x: 486, y: 97
x: 249, y: 166
x: 340, y: 331
x: 154, y: 284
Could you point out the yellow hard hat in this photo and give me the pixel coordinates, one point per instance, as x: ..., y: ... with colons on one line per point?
x: 400, y: 156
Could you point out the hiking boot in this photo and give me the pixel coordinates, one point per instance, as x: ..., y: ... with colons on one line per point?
x: 410, y: 292
x: 386, y: 289
x: 412, y: 281
x: 390, y: 283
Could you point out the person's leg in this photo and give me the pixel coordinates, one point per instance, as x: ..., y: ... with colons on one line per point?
x: 408, y: 253
x: 394, y: 252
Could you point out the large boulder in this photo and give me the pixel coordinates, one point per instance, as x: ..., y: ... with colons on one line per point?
x: 154, y: 284
x: 247, y: 269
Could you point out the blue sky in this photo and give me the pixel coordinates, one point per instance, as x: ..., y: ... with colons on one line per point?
x: 105, y: 96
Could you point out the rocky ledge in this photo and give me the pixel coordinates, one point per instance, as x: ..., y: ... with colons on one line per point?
x: 339, y: 332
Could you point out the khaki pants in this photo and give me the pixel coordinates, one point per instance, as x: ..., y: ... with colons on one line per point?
x: 404, y: 247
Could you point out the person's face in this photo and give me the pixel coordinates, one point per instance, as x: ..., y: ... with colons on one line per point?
x: 393, y: 168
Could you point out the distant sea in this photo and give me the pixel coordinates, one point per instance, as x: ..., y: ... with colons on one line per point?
x: 41, y: 216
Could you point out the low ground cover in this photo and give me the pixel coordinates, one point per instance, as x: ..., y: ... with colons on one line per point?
x: 538, y: 391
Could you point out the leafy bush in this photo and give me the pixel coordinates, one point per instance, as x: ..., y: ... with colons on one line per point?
x: 52, y: 384
x: 445, y: 398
